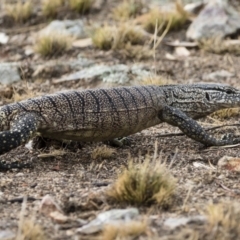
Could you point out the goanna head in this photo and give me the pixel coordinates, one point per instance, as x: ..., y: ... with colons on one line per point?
x: 198, y: 100
x: 220, y: 95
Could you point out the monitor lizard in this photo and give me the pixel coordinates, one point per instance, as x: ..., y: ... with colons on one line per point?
x: 105, y: 114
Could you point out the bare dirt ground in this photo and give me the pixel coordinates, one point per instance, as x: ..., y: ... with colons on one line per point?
x: 77, y: 181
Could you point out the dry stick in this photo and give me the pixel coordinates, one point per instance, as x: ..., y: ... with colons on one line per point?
x: 208, y: 129
x: 21, y: 219
x: 163, y: 34
x: 186, y: 198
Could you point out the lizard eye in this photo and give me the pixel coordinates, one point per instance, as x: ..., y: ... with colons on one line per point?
x: 207, y: 97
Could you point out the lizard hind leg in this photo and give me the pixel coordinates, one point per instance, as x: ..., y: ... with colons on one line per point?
x: 20, y: 132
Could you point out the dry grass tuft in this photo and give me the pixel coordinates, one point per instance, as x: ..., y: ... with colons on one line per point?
x: 103, y: 37
x: 144, y: 183
x: 131, y: 230
x: 102, y: 152
x: 19, y: 12
x: 156, y: 80
x: 30, y: 231
x: 226, y: 113
x: 80, y: 6
x: 126, y: 39
x: 220, y: 46
x: 136, y: 52
x: 176, y: 18
x: 127, y: 9
x: 22, y: 94
x: 50, y: 7
x: 52, y: 44
x: 223, y: 221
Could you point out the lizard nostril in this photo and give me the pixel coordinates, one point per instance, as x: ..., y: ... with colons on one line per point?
x: 207, y: 97
x: 229, y: 91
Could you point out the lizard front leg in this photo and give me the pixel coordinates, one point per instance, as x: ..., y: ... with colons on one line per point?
x: 20, y: 132
x: 190, y: 127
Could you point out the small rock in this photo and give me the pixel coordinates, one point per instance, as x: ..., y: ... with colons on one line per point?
x: 171, y: 57
x: 9, y: 73
x: 58, y: 217
x: 176, y: 222
x: 19, y: 174
x: 48, y: 205
x: 3, y: 38
x: 181, y: 52
x: 29, y: 51
x: 116, y: 215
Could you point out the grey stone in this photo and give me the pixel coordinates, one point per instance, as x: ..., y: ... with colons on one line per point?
x: 217, y: 19
x: 114, y: 216
x: 9, y: 73
x: 73, y: 28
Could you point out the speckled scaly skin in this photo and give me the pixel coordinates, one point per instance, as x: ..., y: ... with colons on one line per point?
x: 105, y: 114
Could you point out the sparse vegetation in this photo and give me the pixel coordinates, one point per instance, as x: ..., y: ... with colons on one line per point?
x: 161, y: 18
x: 52, y: 44
x: 51, y: 7
x: 127, y: 9
x: 226, y: 113
x: 81, y: 6
x: 220, y: 46
x: 156, y: 80
x: 29, y: 230
x: 144, y: 183
x: 130, y: 229
x: 22, y: 94
x: 223, y: 221
x: 127, y: 39
x: 19, y: 11
x: 103, y: 37
x: 102, y: 152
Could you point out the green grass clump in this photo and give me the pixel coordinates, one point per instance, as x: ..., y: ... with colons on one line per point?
x: 19, y: 12
x: 146, y: 183
x: 80, y: 6
x: 54, y: 44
